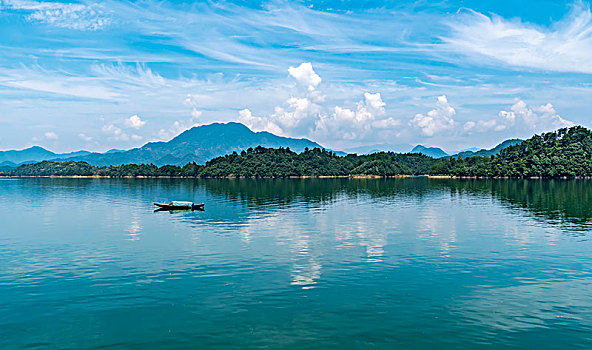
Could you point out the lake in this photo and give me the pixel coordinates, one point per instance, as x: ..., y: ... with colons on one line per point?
x: 410, y: 263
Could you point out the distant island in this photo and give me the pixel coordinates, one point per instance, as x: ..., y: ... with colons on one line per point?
x: 563, y: 153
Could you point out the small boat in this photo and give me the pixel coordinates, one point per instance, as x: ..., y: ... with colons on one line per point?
x: 179, y: 205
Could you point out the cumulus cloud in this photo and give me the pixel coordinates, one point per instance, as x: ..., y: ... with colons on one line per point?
x: 50, y: 135
x: 521, y: 118
x: 537, y: 119
x: 134, y: 122
x: 257, y: 123
x: 357, y: 124
x: 308, y: 115
x: 180, y: 126
x: 565, y: 47
x: 437, y: 120
x: 305, y: 75
x: 115, y: 133
x: 297, y: 116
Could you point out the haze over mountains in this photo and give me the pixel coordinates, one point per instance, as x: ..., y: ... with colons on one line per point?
x: 436, y: 152
x: 202, y: 143
x: 433, y: 152
x: 198, y: 144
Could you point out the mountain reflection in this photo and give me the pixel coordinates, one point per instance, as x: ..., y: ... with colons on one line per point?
x: 495, y: 256
x: 554, y: 201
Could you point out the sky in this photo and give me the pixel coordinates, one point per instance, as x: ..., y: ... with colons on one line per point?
x: 450, y: 73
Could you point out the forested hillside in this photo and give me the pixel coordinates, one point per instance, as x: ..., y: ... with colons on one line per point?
x: 563, y: 153
x: 254, y: 162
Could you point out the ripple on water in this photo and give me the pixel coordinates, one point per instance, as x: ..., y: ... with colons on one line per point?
x: 401, y: 263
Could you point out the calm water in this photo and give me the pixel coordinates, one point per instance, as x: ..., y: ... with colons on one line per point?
x: 291, y: 264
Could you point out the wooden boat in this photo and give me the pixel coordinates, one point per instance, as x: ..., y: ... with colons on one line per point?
x: 178, y: 205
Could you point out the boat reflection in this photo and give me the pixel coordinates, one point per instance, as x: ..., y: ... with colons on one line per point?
x: 179, y: 210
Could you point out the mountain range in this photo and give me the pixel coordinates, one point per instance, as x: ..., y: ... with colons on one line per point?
x: 202, y: 143
x: 382, y: 147
x: 198, y: 144
x: 35, y: 154
x: 489, y: 152
x: 436, y: 152
x: 433, y: 152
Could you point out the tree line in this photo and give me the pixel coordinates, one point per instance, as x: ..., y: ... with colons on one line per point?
x: 565, y: 152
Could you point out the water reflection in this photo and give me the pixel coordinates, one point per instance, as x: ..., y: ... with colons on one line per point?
x: 386, y: 263
x: 560, y: 201
x: 134, y: 227
x: 566, y: 202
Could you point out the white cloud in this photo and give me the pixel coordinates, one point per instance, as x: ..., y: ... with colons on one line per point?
x: 115, y: 132
x: 134, y: 122
x: 521, y: 118
x: 483, y: 126
x: 257, y: 123
x: 374, y: 101
x: 180, y: 126
x: 297, y: 116
x: 437, y: 120
x: 136, y: 76
x: 85, y: 137
x: 369, y: 117
x: 50, y: 135
x: 65, y: 15
x: 565, y: 47
x: 310, y: 116
x: 305, y: 75
x: 537, y: 119
x: 38, y: 79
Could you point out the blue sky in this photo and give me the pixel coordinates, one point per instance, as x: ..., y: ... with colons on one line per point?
x: 455, y: 74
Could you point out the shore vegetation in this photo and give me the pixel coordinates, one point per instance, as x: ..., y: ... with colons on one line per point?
x: 563, y: 153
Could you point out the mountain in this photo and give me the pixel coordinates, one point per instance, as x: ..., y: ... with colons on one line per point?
x: 198, y: 144
x: 489, y: 152
x: 566, y: 152
x: 73, y: 154
x: 383, y: 147
x: 7, y: 166
x: 471, y: 149
x: 34, y: 153
x: 433, y: 152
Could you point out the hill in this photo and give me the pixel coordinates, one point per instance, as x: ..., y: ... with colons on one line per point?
x: 34, y: 154
x: 433, y: 152
x: 254, y: 162
x: 566, y: 152
x: 382, y: 147
x: 198, y: 144
x: 488, y: 152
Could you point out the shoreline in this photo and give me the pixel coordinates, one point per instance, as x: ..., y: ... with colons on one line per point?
x: 358, y: 177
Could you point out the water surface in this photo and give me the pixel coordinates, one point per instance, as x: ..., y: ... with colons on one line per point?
x: 411, y: 263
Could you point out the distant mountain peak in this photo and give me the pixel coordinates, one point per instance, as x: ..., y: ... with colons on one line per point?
x: 489, y: 152
x: 199, y: 144
x: 433, y: 152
